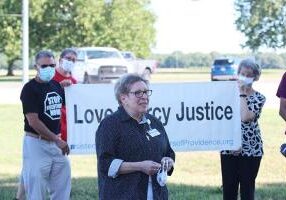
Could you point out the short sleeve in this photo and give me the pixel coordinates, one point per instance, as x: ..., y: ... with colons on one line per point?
x: 281, y: 92
x: 29, y: 100
x: 255, y: 104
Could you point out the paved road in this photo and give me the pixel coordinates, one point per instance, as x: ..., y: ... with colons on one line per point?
x: 10, y: 93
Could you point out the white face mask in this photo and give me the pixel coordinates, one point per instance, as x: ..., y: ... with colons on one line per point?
x: 246, y: 80
x: 67, y: 65
x: 162, y: 174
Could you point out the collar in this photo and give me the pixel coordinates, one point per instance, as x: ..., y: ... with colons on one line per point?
x: 124, y: 116
x: 144, y: 120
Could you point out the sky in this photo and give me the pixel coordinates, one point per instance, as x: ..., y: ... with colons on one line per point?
x: 196, y: 26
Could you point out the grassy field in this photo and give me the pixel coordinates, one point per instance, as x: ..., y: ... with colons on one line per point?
x: 196, y: 176
x: 166, y: 74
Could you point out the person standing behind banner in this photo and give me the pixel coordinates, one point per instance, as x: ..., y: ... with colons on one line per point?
x: 45, y: 165
x: 132, y: 146
x: 64, y: 76
x: 240, y: 168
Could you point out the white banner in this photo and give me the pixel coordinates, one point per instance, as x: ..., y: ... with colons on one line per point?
x: 196, y: 116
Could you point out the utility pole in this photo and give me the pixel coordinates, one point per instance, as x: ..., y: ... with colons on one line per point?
x: 25, y: 40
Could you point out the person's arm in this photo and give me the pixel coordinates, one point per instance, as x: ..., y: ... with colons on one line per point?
x: 43, y: 130
x: 107, y: 136
x: 282, y: 108
x: 246, y: 114
x: 169, y: 155
x: 148, y: 167
x: 282, y: 95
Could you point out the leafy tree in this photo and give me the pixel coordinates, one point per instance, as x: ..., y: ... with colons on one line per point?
x: 123, y: 24
x: 262, y: 22
x: 270, y: 60
x: 10, y: 32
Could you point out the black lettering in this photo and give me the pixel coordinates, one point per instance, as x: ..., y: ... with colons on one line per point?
x: 212, y: 110
x: 166, y: 115
x: 182, y: 113
x: 76, y: 120
x: 188, y: 115
x: 200, y: 113
x: 216, y: 112
x: 154, y: 113
x: 228, y: 110
x: 98, y: 116
x: 91, y: 116
x: 207, y: 107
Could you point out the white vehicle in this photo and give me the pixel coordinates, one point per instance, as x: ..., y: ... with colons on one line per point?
x: 99, y: 64
x: 140, y: 66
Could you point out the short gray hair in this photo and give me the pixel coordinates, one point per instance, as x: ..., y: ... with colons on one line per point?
x: 124, y: 84
x: 68, y: 51
x: 43, y: 54
x: 250, y: 63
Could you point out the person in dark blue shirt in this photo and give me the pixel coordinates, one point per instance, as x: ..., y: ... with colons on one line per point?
x: 132, y: 147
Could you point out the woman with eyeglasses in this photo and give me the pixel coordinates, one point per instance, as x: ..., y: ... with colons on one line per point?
x: 133, y: 149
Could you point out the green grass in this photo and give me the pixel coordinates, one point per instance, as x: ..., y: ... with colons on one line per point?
x: 196, y: 176
x: 17, y: 76
x: 166, y: 75
x: 203, y: 74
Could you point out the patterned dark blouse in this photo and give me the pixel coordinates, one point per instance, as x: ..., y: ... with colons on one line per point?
x: 121, y: 137
x: 251, y: 138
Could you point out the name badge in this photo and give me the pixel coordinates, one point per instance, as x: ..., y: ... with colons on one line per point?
x: 153, y: 132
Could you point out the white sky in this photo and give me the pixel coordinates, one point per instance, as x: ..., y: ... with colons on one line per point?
x: 196, y: 26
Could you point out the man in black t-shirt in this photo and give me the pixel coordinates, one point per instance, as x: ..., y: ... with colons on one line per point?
x: 45, y: 165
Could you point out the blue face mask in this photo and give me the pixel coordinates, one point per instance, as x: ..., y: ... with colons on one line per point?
x: 46, y: 74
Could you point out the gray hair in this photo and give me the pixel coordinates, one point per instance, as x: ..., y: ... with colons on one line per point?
x: 43, y: 54
x: 124, y: 84
x: 68, y: 51
x: 250, y: 63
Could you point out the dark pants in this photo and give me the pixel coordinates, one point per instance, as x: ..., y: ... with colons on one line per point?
x: 239, y: 171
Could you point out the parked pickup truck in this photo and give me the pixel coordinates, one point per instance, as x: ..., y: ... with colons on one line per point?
x: 99, y: 64
x: 140, y: 66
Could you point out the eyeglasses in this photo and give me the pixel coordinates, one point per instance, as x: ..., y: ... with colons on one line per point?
x: 140, y: 93
x: 50, y: 65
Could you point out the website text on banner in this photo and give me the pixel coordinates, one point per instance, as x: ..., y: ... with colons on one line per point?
x: 196, y: 116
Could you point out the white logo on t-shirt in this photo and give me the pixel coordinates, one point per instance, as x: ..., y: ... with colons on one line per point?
x: 53, y: 105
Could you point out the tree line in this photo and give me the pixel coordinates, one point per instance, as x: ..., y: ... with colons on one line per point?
x: 185, y: 60
x: 181, y: 60
x: 130, y: 25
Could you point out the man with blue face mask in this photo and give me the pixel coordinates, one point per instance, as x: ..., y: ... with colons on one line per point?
x: 45, y: 166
